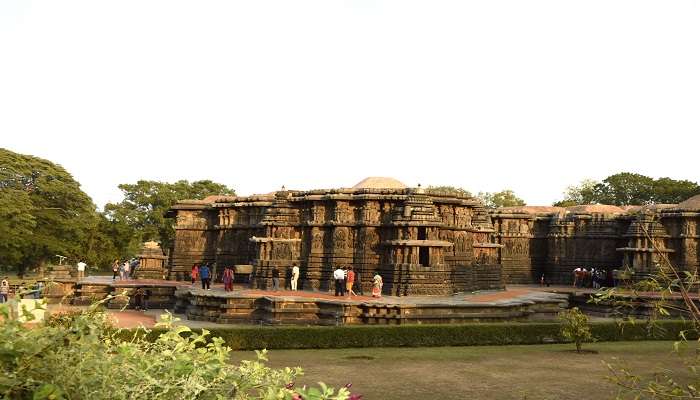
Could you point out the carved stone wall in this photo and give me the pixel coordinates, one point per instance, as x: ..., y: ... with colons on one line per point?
x: 419, y: 243
x: 553, y: 241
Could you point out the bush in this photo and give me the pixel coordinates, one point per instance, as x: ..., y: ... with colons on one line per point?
x: 80, y: 356
x: 575, y: 327
x: 318, y: 337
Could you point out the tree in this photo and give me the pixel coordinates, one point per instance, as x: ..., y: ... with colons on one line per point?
x: 504, y: 198
x: 575, y: 327
x: 626, y: 188
x: 448, y: 190
x: 583, y: 193
x: 671, y: 191
x: 145, y: 203
x: 43, y: 212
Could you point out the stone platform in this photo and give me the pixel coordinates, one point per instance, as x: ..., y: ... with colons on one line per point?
x: 316, y: 308
x: 160, y: 293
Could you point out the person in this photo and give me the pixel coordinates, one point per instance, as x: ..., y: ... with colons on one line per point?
x: 138, y: 299
x: 135, y: 263
x: 127, y: 269
x: 194, y: 274
x: 377, y: 284
x: 121, y: 272
x: 81, y: 270
x: 39, y: 289
x: 275, y: 278
x: 4, y: 290
x: 295, y: 276
x: 542, y: 281
x: 350, y: 281
x: 339, y: 276
x: 578, y: 276
x: 115, y: 269
x: 595, y: 278
x: 287, y: 279
x: 228, y: 279
x: 204, y: 275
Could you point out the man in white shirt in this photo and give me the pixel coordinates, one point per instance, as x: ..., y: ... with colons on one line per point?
x: 81, y: 270
x: 339, y: 276
x: 295, y: 276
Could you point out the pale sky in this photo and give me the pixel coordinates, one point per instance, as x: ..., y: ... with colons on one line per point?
x: 525, y: 94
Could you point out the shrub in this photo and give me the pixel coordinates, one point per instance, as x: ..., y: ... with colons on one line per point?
x: 575, y: 327
x: 240, y: 337
x: 80, y: 356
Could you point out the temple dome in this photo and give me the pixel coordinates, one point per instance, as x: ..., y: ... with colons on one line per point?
x: 378, y: 182
x: 692, y: 203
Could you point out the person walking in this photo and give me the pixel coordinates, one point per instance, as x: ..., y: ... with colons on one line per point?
x: 275, y: 278
x: 121, y: 272
x: 115, y: 269
x: 349, y: 281
x: 81, y: 270
x: 339, y: 277
x: 4, y: 290
x: 377, y: 284
x: 194, y: 274
x: 228, y: 279
x: 127, y: 270
x: 295, y: 276
x: 205, y: 276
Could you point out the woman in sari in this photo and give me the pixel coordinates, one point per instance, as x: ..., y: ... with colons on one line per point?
x: 377, y: 284
x: 228, y: 279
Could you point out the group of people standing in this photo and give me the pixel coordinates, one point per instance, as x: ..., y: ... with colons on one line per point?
x: 344, y: 278
x: 292, y: 278
x: 202, y: 273
x: 595, y: 277
x: 124, y: 270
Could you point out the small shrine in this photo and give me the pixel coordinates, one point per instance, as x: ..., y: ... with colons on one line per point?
x: 151, y: 262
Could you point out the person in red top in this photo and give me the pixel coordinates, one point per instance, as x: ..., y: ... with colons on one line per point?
x: 228, y: 279
x: 195, y: 273
x: 349, y: 281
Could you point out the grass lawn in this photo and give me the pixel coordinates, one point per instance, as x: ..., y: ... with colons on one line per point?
x: 479, y: 372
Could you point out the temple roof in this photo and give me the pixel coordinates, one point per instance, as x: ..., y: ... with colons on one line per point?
x: 692, y: 203
x: 596, y: 209
x: 530, y: 210
x: 378, y: 182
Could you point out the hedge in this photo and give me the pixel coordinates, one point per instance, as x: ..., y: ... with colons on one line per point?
x: 318, y: 337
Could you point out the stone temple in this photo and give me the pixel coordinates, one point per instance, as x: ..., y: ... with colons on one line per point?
x: 424, y: 242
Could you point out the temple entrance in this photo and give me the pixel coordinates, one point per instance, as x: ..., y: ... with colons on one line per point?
x: 423, y: 252
x: 424, y: 256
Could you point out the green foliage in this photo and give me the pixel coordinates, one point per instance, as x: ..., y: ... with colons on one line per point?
x: 575, y: 327
x: 476, y: 334
x: 504, y: 198
x: 583, y: 193
x: 43, y: 212
x: 142, y: 212
x: 80, y: 356
x: 448, y: 190
x: 627, y: 188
